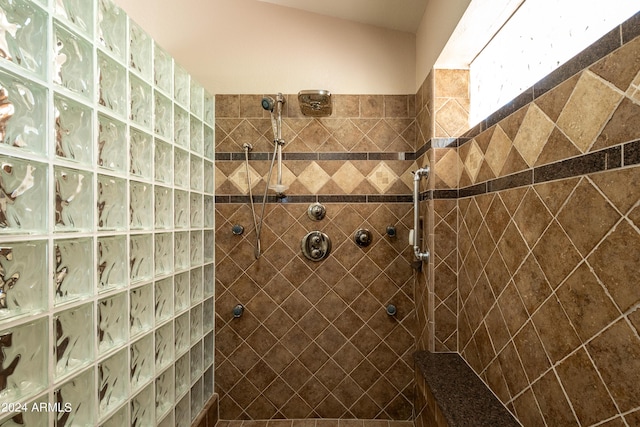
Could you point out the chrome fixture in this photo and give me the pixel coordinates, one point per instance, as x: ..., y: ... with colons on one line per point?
x: 414, y: 238
x: 237, y: 229
x: 316, y: 211
x: 274, y: 106
x: 391, y: 310
x: 362, y: 237
x: 316, y: 246
x: 391, y: 231
x: 238, y: 310
x: 315, y: 103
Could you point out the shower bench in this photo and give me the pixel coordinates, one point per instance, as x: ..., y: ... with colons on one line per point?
x: 455, y: 396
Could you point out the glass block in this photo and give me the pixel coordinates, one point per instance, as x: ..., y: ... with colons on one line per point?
x: 141, y: 205
x: 196, y: 248
x: 163, y: 115
x: 208, y: 280
x: 143, y: 408
x: 79, y: 393
x: 181, y: 126
x: 181, y: 285
x: 119, y: 419
x: 72, y: 62
x: 141, y: 257
x: 112, y: 28
x: 196, y: 399
x: 112, y: 143
x: 141, y: 154
x: 73, y: 130
x: 207, y: 315
x: 182, y: 333
x: 24, y: 36
x: 196, y: 325
x: 73, y: 200
x: 166, y: 422
x: 183, y: 371
x: 181, y: 250
x: 207, y: 384
x: 112, y: 85
x: 163, y: 69
x: 29, y: 417
x: 195, y: 210
x: 181, y: 87
x: 23, y: 278
x: 23, y: 188
x: 142, y: 311
x: 208, y: 114
x: 112, y: 265
x: 23, y: 114
x: 164, y: 299
x: 141, y: 107
x: 195, y: 173
x: 196, y: 361
x: 24, y: 349
x: 142, y: 362
x: 208, y: 349
x: 209, y: 212
x: 208, y: 244
x: 163, y: 162
x: 112, y: 203
x: 73, y: 348
x: 183, y: 412
x: 73, y: 274
x: 181, y: 209
x: 208, y: 143
x: 195, y: 285
x: 196, y: 136
x: 164, y: 254
x: 165, y: 390
x: 164, y: 346
x: 140, y: 46
x: 196, y: 99
x: 181, y: 165
x: 208, y: 177
x: 113, y: 382
x: 163, y: 207
x: 77, y: 12
x: 112, y: 322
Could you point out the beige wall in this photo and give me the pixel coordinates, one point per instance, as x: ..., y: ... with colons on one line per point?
x: 248, y: 47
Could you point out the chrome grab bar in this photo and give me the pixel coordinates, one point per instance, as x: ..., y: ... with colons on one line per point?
x: 417, y: 177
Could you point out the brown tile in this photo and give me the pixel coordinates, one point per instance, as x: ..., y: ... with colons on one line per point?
x: 513, y: 310
x: 589, y: 397
x: 532, y: 354
x: 555, y: 254
x: 512, y: 369
x: 633, y: 419
x: 558, y: 147
x: 620, y: 187
x: 586, y: 303
x: 553, y: 102
x: 532, y: 217
x: 371, y: 105
x: 497, y: 273
x: 616, y: 353
x: 621, y: 66
x: 617, y: 129
x: 533, y: 134
x: 512, y: 247
x: 587, y: 217
x: 227, y: 106
x: 614, y: 262
x: 396, y: 106
x: 532, y: 285
x: 527, y: 410
x: 555, y: 330
x: 554, y: 194
x: 552, y: 401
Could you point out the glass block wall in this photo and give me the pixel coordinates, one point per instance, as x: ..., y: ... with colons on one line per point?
x: 106, y: 222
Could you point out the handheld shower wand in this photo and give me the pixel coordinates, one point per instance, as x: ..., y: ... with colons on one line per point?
x: 269, y: 104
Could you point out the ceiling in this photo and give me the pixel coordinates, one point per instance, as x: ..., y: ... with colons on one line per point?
x: 401, y: 15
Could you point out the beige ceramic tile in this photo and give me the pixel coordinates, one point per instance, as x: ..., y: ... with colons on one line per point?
x: 348, y: 177
x: 313, y: 177
x: 473, y: 161
x: 382, y: 177
x: 582, y: 118
x: 498, y: 150
x: 533, y: 134
x: 449, y: 167
x: 452, y: 118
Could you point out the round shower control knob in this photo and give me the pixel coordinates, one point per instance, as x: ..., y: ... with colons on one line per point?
x: 362, y: 237
x: 316, y: 246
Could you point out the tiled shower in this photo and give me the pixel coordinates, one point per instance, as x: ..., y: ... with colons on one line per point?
x: 106, y: 222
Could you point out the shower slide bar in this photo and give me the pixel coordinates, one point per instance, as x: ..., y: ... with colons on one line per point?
x: 415, y: 240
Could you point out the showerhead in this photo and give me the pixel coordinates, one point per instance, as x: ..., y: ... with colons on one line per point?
x: 268, y: 103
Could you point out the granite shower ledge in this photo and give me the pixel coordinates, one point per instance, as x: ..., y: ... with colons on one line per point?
x: 463, y: 399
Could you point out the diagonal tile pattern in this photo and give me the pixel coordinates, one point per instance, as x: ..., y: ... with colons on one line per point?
x: 315, y: 339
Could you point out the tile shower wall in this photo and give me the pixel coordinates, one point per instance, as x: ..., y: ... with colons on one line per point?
x: 106, y: 222
x: 546, y: 196
x: 315, y: 340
